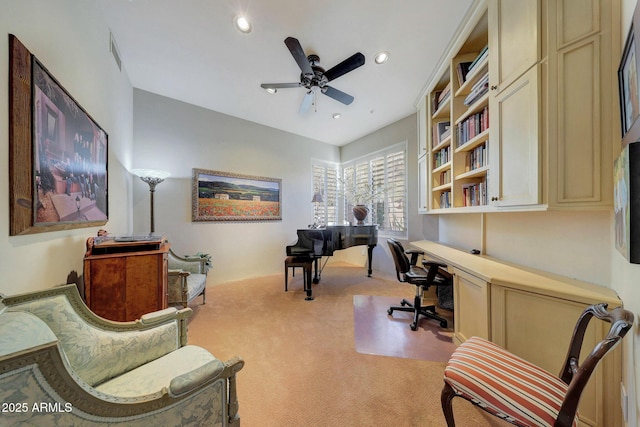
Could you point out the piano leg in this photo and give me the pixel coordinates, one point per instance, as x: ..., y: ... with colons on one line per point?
x: 316, y: 277
x: 307, y: 284
x: 370, y: 253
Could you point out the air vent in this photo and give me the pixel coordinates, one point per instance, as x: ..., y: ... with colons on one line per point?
x: 113, y: 47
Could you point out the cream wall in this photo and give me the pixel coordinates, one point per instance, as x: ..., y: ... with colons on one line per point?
x: 177, y: 137
x: 70, y: 38
x: 625, y: 279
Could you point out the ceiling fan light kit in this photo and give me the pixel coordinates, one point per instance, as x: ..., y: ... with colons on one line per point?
x: 314, y: 77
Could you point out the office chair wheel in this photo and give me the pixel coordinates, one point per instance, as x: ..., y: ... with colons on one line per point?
x: 403, y: 303
x: 443, y: 324
x: 413, y: 326
x: 389, y: 311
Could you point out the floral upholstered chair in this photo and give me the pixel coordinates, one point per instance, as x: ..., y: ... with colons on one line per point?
x: 84, y: 370
x: 187, y: 278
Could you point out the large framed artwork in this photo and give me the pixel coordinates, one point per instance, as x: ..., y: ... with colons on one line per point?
x: 57, y: 153
x: 629, y: 84
x: 627, y: 202
x: 224, y: 196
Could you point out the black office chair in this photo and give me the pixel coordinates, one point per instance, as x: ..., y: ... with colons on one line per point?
x: 433, y: 274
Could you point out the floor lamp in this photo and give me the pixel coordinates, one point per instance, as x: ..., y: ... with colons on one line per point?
x: 152, y: 177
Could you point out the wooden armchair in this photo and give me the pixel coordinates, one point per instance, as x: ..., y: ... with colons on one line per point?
x: 187, y: 279
x: 520, y: 392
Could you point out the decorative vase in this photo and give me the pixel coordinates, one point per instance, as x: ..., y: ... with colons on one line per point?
x: 360, y: 212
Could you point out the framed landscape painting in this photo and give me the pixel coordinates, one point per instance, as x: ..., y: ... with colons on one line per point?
x: 223, y: 196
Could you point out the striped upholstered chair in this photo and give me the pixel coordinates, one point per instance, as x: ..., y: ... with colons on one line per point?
x: 522, y: 393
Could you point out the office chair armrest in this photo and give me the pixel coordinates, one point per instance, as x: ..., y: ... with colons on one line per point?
x: 415, y: 253
x: 441, y: 268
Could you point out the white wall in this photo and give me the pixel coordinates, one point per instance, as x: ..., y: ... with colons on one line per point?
x: 177, y: 137
x: 70, y: 38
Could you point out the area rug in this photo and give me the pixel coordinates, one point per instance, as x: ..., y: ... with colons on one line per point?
x: 377, y: 333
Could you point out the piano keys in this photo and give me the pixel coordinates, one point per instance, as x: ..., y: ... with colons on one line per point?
x: 318, y: 243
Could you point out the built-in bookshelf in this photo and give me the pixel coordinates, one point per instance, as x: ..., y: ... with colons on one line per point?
x: 459, y: 126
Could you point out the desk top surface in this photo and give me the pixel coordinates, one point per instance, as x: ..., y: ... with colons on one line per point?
x: 514, y: 276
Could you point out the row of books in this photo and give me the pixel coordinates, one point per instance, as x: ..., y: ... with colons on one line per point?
x: 445, y: 177
x: 472, y: 126
x: 477, y: 90
x: 477, y: 158
x: 474, y: 194
x: 445, y: 199
x: 442, y: 156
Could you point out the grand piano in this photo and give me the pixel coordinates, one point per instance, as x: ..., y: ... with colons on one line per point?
x: 322, y: 242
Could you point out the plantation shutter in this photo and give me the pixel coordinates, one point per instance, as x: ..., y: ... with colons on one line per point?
x: 325, y: 182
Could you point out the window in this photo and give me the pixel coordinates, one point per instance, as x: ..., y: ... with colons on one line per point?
x: 380, y: 182
x: 325, y: 183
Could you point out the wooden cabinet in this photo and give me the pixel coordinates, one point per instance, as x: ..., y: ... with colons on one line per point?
x: 515, y: 144
x: 532, y: 314
x: 551, y: 109
x: 471, y: 316
x: 126, y: 282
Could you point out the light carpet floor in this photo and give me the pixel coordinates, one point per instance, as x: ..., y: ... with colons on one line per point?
x: 301, y: 364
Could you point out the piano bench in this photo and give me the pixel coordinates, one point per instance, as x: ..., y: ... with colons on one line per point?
x: 295, y: 261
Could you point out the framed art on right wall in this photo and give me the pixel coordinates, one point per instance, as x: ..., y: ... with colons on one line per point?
x: 627, y: 202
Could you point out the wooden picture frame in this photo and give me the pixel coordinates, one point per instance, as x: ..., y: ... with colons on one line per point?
x: 224, y: 196
x: 627, y: 203
x: 57, y: 153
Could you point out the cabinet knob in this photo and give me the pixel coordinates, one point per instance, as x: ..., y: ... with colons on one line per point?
x: 494, y: 87
x: 494, y: 199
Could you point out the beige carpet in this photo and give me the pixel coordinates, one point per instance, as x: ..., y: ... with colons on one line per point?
x: 302, y: 368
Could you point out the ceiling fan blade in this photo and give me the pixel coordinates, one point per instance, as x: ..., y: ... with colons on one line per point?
x: 354, y: 61
x: 298, y: 54
x: 307, y: 101
x: 338, y: 95
x: 279, y: 85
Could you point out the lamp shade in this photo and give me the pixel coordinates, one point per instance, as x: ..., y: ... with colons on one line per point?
x: 151, y: 173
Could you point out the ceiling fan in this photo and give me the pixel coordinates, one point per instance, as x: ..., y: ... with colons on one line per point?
x: 315, y: 77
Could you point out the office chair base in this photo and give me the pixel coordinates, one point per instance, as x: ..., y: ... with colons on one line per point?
x: 417, y: 310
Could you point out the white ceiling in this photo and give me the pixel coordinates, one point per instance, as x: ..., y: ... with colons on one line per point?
x: 190, y: 50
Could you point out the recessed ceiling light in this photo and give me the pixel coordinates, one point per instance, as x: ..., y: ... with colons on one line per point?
x: 336, y: 115
x: 243, y: 24
x: 382, y: 57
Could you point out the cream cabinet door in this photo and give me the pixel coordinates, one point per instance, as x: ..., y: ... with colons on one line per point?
x: 514, y: 149
x: 422, y: 185
x: 538, y: 328
x: 514, y: 39
x: 422, y: 127
x: 471, y: 313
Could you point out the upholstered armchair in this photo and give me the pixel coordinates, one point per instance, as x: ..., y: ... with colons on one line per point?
x: 60, y: 364
x: 187, y: 279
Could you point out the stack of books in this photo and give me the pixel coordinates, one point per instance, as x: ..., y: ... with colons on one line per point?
x: 480, y: 88
x: 479, y: 59
x: 441, y: 96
